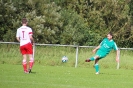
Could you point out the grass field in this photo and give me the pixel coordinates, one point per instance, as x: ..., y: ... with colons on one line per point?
x: 12, y: 76
x: 50, y: 72
x: 51, y: 56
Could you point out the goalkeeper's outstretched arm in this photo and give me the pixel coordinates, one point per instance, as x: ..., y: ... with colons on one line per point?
x: 96, y: 49
x: 117, y: 55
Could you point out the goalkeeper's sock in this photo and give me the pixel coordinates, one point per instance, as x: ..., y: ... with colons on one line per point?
x: 31, y: 62
x: 92, y: 58
x: 97, y: 68
x: 24, y: 63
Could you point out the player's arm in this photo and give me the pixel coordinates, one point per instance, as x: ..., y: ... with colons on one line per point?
x: 31, y: 36
x: 32, y: 39
x: 18, y: 36
x: 18, y: 39
x: 117, y: 52
x: 96, y: 49
x: 117, y: 55
x: 98, y: 46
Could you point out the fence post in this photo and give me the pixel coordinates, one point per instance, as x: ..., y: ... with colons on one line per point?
x: 118, y: 63
x: 34, y: 46
x: 76, y: 61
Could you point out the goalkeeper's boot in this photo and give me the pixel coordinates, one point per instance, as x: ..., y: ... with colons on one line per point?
x: 97, y: 73
x: 87, y: 60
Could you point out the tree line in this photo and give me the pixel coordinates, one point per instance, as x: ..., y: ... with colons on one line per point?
x: 75, y: 22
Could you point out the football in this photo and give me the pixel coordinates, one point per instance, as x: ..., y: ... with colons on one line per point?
x: 64, y: 59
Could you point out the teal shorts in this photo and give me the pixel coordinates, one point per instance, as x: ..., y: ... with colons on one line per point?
x: 101, y: 54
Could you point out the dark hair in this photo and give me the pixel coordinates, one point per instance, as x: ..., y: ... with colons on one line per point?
x: 111, y: 33
x: 24, y: 21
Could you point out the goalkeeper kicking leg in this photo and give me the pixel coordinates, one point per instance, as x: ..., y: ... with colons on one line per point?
x: 96, y: 65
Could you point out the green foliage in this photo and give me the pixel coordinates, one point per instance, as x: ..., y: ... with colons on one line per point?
x: 81, y: 22
x: 9, y: 36
x: 46, y: 23
x: 7, y: 13
x: 104, y: 16
x: 131, y: 11
x: 72, y: 29
x: 76, y: 30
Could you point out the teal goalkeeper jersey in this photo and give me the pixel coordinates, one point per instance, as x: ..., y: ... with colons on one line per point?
x: 107, y: 45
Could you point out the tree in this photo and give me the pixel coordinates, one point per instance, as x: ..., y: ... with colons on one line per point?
x: 7, y: 13
x: 45, y: 21
x: 81, y: 22
x: 75, y: 30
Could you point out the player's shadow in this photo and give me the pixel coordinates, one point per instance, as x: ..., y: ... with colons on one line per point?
x: 33, y: 72
x: 108, y: 74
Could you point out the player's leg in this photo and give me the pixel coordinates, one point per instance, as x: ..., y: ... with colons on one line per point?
x: 91, y: 59
x: 31, y: 59
x: 24, y: 61
x: 99, y: 56
x: 31, y: 62
x: 97, y: 65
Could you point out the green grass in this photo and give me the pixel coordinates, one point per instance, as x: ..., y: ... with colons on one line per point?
x: 50, y: 72
x: 12, y: 76
x: 51, y: 56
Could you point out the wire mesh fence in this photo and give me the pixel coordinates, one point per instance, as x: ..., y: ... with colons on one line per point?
x: 51, y: 54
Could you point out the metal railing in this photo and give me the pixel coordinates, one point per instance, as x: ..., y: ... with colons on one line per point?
x: 75, y: 46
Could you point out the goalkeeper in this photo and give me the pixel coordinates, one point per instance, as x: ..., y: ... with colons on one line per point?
x: 102, y: 50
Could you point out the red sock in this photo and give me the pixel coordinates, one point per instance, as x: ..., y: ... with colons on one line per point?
x: 31, y: 64
x: 24, y: 65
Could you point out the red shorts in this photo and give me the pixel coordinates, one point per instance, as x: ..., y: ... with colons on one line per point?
x: 26, y: 49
